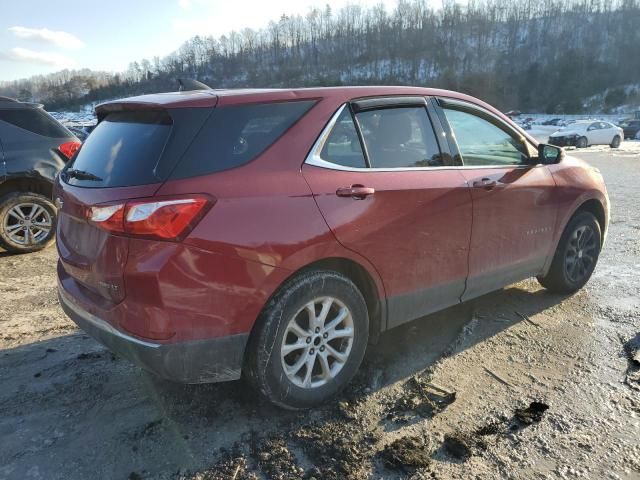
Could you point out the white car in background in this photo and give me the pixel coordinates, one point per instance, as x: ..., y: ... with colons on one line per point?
x: 582, y: 134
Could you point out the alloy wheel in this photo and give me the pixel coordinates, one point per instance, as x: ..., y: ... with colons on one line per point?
x: 27, y: 224
x: 317, y: 342
x: 581, y: 253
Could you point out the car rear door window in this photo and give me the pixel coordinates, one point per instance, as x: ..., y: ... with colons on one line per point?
x: 399, y: 137
x: 35, y: 120
x: 483, y: 143
x: 342, y: 146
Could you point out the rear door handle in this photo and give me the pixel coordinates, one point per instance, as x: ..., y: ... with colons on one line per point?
x: 358, y: 192
x: 485, y: 183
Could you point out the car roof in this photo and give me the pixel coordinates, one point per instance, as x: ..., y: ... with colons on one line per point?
x: 252, y: 95
x: 223, y: 97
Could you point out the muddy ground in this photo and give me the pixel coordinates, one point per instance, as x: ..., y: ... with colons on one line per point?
x: 519, y: 384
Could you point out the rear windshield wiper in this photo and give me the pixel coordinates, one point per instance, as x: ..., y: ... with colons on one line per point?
x: 82, y: 175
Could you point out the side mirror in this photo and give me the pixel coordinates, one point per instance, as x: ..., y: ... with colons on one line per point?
x: 549, y: 154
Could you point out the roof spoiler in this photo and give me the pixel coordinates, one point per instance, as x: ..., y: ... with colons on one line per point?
x: 189, y: 84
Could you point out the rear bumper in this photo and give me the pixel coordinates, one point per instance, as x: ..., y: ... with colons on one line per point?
x: 198, y: 361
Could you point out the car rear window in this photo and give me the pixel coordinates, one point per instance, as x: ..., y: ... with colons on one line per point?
x: 35, y: 120
x: 235, y: 135
x: 123, y: 150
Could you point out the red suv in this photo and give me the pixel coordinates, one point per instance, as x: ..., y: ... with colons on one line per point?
x: 272, y: 234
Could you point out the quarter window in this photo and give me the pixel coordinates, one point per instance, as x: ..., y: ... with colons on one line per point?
x: 399, y: 138
x: 343, y: 145
x: 482, y: 143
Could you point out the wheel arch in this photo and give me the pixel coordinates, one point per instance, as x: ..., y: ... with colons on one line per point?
x: 591, y: 205
x: 355, y: 272
x: 362, y: 279
x: 27, y: 184
x: 595, y: 207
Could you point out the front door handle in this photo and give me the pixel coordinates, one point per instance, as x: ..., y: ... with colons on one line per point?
x: 358, y: 192
x: 485, y: 183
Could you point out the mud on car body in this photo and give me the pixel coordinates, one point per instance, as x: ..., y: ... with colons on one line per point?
x: 271, y: 234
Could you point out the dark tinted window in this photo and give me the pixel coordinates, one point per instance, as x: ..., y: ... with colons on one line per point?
x: 124, y: 149
x: 483, y: 143
x: 399, y: 138
x: 35, y: 120
x: 343, y: 145
x: 235, y: 135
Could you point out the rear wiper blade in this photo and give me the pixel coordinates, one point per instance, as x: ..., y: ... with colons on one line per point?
x: 82, y: 175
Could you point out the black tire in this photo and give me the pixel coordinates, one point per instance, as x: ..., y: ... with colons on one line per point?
x: 582, y: 142
x: 615, y: 143
x: 7, y: 221
x: 561, y: 278
x: 263, y: 361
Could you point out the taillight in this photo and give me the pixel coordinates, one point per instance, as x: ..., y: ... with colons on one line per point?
x: 166, y: 219
x: 68, y: 149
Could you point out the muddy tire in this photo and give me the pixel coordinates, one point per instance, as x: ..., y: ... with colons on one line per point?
x: 27, y: 222
x: 309, y: 341
x: 582, y: 142
x: 576, y: 256
x: 615, y: 143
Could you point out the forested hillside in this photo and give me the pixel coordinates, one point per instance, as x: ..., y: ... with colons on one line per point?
x: 533, y: 55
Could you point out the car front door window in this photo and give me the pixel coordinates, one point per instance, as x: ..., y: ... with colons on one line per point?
x: 480, y: 142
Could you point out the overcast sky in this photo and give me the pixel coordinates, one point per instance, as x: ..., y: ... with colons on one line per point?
x: 44, y: 36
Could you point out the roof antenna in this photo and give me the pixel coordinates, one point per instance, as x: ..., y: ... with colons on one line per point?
x: 189, y: 84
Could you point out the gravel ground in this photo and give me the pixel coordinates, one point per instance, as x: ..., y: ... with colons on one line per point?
x: 519, y: 384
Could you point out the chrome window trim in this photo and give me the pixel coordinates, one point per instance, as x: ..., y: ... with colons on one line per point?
x: 313, y: 158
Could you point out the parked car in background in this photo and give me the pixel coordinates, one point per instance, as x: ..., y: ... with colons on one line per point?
x: 553, y: 122
x: 271, y: 234
x: 33, y: 148
x: 80, y: 133
x: 630, y: 128
x: 582, y: 134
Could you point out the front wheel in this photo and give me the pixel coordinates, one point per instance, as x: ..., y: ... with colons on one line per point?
x: 576, y: 255
x: 615, y: 143
x: 582, y: 142
x: 309, y: 341
x: 27, y: 222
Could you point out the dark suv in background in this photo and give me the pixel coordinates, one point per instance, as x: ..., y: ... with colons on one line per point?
x: 33, y: 148
x: 630, y: 128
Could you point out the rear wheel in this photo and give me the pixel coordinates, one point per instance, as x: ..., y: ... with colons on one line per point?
x: 615, y: 143
x: 582, y: 142
x: 576, y: 255
x: 27, y: 222
x: 310, y: 340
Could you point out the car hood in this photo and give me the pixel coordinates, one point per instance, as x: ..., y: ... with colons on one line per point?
x: 564, y: 133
